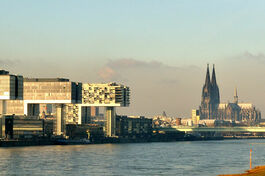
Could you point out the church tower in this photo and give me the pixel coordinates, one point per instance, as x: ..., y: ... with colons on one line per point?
x: 215, y: 97
x: 235, y: 96
x: 210, y: 97
x: 206, y: 98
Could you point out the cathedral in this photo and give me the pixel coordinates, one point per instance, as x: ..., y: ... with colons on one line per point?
x: 211, y: 108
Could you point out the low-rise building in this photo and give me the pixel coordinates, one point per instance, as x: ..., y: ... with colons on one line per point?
x: 163, y: 121
x: 133, y: 127
x: 17, y: 127
x: 195, y: 116
x: 92, y: 132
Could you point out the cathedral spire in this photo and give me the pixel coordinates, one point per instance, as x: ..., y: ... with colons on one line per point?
x: 210, y: 97
x: 235, y: 96
x: 213, y: 77
x: 207, y: 80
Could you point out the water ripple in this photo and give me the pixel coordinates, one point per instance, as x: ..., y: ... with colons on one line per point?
x: 200, y: 158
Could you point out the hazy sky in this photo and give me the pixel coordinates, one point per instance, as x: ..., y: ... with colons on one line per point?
x: 160, y: 48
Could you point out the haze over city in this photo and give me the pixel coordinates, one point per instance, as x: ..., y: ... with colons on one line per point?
x: 160, y: 49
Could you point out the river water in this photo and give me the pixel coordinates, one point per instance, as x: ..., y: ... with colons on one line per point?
x: 167, y: 158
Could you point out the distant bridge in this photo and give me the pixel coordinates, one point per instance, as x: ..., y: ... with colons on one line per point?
x: 214, y: 129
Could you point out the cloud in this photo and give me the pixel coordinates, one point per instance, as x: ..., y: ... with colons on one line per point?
x: 247, y: 56
x: 155, y: 86
x: 108, y: 74
x: 133, y: 63
x: 117, y: 70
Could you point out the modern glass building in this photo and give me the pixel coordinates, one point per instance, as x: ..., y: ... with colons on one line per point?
x: 108, y: 95
x: 11, y: 86
x: 68, y: 102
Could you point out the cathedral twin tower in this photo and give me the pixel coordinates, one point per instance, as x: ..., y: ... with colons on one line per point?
x: 210, y: 97
x: 211, y: 108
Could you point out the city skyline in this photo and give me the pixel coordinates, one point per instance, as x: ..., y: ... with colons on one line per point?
x: 149, y: 46
x: 132, y: 87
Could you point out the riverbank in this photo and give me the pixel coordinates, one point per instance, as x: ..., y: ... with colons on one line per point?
x: 62, y: 141
x: 28, y: 142
x: 107, y: 140
x: 257, y: 171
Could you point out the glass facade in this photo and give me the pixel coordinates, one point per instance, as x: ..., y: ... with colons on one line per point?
x: 52, y: 89
x: 11, y: 87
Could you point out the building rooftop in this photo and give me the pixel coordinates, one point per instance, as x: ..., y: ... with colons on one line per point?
x: 46, y: 80
x: 104, y: 84
x: 4, y: 72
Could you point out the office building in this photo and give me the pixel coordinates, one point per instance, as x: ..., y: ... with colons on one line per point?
x: 57, y: 91
x: 110, y: 96
x: 62, y: 100
x: 11, y: 86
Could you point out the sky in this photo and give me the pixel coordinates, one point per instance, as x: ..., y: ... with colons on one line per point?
x: 159, y: 48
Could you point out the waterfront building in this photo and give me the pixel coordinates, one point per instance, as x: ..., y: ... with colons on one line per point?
x: 186, y: 122
x: 178, y: 121
x: 195, y: 116
x: 211, y: 108
x: 11, y: 89
x: 133, y: 127
x: 16, y: 127
x: 110, y: 96
x: 92, y: 132
x: 60, y: 99
x: 164, y: 121
x: 60, y: 92
x: 11, y: 86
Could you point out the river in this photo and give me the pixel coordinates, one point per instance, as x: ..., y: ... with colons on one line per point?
x: 165, y: 158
